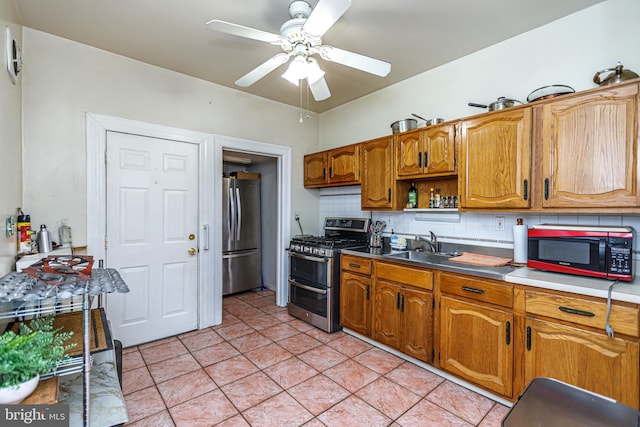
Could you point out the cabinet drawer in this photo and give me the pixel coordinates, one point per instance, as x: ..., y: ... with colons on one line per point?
x: 417, y: 277
x: 585, y: 312
x: 356, y: 264
x: 477, y: 289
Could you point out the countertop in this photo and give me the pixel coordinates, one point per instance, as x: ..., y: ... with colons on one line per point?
x: 621, y: 291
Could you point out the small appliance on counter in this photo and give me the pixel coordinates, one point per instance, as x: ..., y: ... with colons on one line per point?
x: 597, y: 251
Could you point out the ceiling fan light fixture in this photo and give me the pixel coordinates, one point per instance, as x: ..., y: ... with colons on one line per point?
x: 314, y: 73
x: 297, y: 70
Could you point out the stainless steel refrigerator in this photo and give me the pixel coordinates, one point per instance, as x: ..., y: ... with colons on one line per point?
x: 241, y: 253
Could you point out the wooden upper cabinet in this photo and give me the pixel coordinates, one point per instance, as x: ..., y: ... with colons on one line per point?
x: 590, y: 150
x: 378, y: 189
x: 315, y: 169
x: 339, y: 166
x: 409, y: 154
x: 495, y: 160
x: 428, y: 152
x: 344, y: 165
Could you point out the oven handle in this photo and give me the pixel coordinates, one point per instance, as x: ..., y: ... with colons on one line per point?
x: 308, y: 288
x: 309, y: 258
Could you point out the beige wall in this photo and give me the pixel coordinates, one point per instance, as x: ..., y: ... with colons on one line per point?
x: 567, y: 51
x: 10, y: 138
x: 64, y: 80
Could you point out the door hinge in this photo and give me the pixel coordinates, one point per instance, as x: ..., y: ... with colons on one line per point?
x: 105, y: 244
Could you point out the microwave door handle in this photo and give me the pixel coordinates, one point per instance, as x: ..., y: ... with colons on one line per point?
x: 602, y: 248
x: 239, y: 214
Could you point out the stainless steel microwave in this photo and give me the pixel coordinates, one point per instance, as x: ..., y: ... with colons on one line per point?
x: 595, y: 251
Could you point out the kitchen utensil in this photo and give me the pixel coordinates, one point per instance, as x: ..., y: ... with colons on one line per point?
x: 619, y: 75
x: 435, y: 121
x: 419, y: 117
x: 499, y: 104
x: 404, y: 125
x: 550, y: 91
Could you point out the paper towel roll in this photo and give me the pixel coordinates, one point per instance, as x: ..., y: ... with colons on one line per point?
x: 520, y: 244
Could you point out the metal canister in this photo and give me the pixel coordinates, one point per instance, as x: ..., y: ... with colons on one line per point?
x: 24, y: 234
x: 44, y: 240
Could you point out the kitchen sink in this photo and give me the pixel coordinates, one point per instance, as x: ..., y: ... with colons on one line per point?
x: 426, y: 257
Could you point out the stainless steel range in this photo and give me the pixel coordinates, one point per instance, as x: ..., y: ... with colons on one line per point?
x: 314, y: 271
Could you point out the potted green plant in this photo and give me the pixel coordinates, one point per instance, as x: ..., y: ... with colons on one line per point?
x: 35, y: 350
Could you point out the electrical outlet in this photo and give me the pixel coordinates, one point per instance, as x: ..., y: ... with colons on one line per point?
x: 500, y: 223
x: 297, y: 216
x: 389, y: 220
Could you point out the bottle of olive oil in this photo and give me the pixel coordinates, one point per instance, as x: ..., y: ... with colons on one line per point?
x: 413, y: 196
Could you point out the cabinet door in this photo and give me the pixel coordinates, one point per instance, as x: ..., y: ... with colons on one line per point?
x: 386, y: 309
x: 344, y: 165
x: 355, y: 304
x: 409, y: 155
x: 495, y: 160
x: 315, y: 169
x: 377, y: 174
x: 475, y: 344
x: 590, y: 144
x: 595, y: 362
x: 417, y: 324
x: 439, y: 149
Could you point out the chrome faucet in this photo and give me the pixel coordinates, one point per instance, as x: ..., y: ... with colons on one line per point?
x: 432, y: 242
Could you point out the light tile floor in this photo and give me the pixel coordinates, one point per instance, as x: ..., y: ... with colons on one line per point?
x: 262, y: 367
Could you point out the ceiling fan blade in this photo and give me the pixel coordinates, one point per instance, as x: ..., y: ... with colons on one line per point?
x: 355, y: 60
x: 325, y: 14
x: 262, y: 70
x: 242, y: 31
x: 319, y: 89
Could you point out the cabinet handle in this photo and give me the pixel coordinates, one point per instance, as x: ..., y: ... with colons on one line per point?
x: 508, y: 339
x: 526, y: 189
x: 474, y: 290
x: 324, y: 173
x: 425, y: 159
x: 389, y: 195
x: 546, y: 188
x: 353, y: 265
x: 529, y: 338
x: 576, y: 311
x: 420, y: 160
x: 402, y: 304
x: 397, y: 300
x: 367, y: 292
x: 330, y: 172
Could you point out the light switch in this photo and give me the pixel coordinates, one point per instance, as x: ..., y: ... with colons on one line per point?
x: 9, y: 226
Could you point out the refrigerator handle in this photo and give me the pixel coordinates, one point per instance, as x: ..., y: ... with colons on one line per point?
x: 205, y: 235
x: 232, y: 216
x: 239, y: 214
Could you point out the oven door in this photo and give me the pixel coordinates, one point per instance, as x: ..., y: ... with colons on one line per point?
x: 311, y: 270
x: 311, y: 299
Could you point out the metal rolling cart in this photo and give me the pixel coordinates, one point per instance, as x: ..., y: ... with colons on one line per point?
x: 24, y: 297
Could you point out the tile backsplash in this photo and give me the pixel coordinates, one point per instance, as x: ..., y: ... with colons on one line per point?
x: 468, y: 227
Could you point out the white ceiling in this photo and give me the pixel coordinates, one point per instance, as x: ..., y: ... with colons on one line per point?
x: 413, y: 35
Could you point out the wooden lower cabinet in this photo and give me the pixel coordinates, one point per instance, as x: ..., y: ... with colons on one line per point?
x: 590, y: 360
x: 475, y: 344
x: 355, y: 294
x: 403, y: 319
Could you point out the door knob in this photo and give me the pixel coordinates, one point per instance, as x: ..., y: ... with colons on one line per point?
x: 192, y: 236
x: 192, y: 251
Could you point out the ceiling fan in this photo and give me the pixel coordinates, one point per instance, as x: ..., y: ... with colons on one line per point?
x: 300, y: 39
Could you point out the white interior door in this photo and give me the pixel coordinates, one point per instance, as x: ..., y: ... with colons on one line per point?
x: 152, y: 230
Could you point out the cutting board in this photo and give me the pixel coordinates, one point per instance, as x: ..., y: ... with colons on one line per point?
x: 478, y: 259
